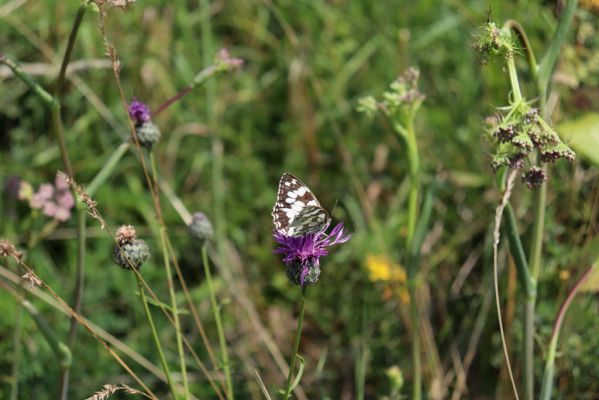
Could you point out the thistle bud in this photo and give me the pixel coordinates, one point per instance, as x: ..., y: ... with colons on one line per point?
x: 147, y: 134
x: 132, y: 254
x: 200, y: 227
x: 310, y: 272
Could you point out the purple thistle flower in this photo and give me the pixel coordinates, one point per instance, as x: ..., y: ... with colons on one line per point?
x: 139, y: 112
x: 302, y: 254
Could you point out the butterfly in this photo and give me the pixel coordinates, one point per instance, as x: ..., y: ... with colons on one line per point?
x: 297, y: 211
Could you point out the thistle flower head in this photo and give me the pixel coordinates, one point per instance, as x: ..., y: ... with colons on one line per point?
x: 130, y: 252
x: 302, y: 254
x: 139, y: 112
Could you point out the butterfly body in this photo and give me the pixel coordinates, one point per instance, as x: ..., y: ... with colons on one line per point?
x: 297, y: 211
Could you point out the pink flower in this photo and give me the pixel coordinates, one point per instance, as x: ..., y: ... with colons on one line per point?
x: 55, y: 201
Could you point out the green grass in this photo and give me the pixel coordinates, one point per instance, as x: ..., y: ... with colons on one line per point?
x: 292, y: 107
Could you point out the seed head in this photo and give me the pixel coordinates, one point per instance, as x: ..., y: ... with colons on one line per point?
x: 201, y: 227
x: 125, y: 234
x: 534, y: 177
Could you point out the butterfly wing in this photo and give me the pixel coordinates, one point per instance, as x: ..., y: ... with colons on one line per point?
x: 297, y: 211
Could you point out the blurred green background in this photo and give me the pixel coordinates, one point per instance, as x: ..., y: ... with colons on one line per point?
x: 292, y: 108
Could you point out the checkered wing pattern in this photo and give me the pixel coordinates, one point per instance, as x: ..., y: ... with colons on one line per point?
x: 297, y: 211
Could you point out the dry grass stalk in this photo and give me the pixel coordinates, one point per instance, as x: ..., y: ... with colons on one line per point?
x: 108, y: 390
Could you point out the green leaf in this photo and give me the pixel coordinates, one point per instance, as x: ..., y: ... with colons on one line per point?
x: 582, y: 134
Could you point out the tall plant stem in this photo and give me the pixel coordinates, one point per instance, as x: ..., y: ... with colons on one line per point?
x: 219, y: 325
x: 171, y: 288
x: 550, y: 362
x: 414, y: 167
x: 81, y: 213
x: 534, y: 260
x: 16, y: 362
x: 296, y: 344
x: 165, y: 368
x: 217, y: 170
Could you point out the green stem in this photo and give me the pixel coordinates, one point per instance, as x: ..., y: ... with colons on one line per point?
x: 44, y: 96
x: 547, y: 384
x: 511, y: 66
x: 414, y: 166
x: 144, y: 302
x: 81, y: 213
x: 108, y: 168
x: 219, y: 324
x: 416, y: 363
x: 16, y: 362
x: 296, y: 344
x: 523, y: 38
x: 512, y: 233
x: 171, y: 287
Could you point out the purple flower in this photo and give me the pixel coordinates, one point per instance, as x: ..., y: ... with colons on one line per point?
x: 139, y: 112
x: 302, y: 254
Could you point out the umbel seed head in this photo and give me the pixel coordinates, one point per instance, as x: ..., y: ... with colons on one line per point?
x: 131, y: 254
x: 200, y: 227
x: 147, y: 134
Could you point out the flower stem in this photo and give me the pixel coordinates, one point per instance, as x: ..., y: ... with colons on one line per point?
x: 296, y: 344
x: 219, y: 324
x: 171, y: 288
x: 167, y: 372
x: 414, y: 166
x: 18, y: 331
x: 550, y: 363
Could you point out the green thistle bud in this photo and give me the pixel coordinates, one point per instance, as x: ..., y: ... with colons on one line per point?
x: 311, y: 272
x: 200, y: 227
x: 147, y: 134
x: 131, y: 254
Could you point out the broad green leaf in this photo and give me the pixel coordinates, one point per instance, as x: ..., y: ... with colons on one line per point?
x: 582, y: 134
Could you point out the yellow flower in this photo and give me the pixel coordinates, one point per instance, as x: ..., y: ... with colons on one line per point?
x: 591, y: 5
x: 380, y: 269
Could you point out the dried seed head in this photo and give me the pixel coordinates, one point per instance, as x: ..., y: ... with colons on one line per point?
x: 7, y: 249
x: 125, y: 234
x: 534, y: 177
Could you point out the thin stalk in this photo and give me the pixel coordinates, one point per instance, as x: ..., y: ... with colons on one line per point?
x: 547, y: 384
x: 296, y: 344
x: 511, y: 65
x: 167, y: 372
x: 108, y: 168
x: 171, y: 288
x: 414, y: 166
x: 515, y: 26
x: 16, y: 362
x: 80, y: 211
x: 219, y: 325
x: 534, y: 260
x: 416, y: 363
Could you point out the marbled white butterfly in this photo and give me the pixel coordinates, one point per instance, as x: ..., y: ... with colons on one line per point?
x: 297, y: 211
